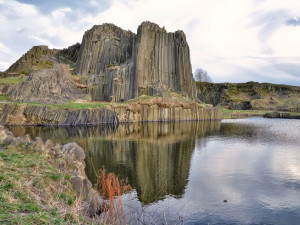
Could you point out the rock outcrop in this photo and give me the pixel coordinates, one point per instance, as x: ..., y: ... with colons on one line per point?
x: 69, y: 54
x: 47, y: 86
x: 119, y: 65
x: 41, y: 57
x: 251, y: 95
x: 163, y: 58
x: 38, y: 57
x: 155, y: 110
x: 164, y: 110
x: 106, y: 55
x: 11, y: 114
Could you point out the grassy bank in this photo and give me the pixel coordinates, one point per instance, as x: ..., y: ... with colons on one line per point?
x: 67, y: 105
x: 175, y: 100
x: 34, y: 191
x: 232, y: 114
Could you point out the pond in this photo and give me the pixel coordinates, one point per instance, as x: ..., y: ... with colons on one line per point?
x: 242, y: 171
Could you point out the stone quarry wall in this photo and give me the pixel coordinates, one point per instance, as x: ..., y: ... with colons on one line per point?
x: 119, y: 65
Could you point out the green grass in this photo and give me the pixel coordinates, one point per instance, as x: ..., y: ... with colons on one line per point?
x: 4, y: 98
x: 33, y: 190
x: 229, y: 113
x: 75, y: 105
x: 68, y: 105
x: 43, y: 65
x: 11, y: 80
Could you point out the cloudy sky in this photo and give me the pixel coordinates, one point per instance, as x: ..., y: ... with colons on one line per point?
x: 234, y: 40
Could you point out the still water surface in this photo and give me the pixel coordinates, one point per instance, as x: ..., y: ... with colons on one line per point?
x: 182, y: 172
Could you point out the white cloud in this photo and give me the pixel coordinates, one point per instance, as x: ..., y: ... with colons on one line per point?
x: 41, y: 40
x: 223, y: 36
x: 60, y: 13
x: 233, y: 40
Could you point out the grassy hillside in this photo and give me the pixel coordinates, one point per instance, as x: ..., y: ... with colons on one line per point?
x: 250, y: 96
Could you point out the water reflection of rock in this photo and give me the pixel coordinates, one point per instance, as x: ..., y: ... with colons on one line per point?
x: 155, y: 157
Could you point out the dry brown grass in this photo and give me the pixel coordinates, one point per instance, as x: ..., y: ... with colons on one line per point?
x: 112, y: 188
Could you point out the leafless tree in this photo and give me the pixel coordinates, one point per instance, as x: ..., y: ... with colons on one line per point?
x: 202, y: 76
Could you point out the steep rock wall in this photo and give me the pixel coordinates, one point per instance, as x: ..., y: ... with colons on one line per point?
x: 157, y: 113
x: 103, y: 46
x: 105, y: 58
x: 11, y: 114
x: 70, y: 53
x: 163, y: 58
x: 14, y: 114
x: 119, y: 65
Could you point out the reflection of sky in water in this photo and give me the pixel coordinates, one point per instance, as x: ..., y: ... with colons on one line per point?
x: 256, y: 168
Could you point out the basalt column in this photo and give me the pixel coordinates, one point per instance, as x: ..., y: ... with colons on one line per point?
x: 162, y: 61
x: 105, y: 59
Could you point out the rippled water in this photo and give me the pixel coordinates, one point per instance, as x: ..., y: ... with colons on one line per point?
x: 183, y: 172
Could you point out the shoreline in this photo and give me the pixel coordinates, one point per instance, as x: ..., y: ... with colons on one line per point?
x: 59, y: 183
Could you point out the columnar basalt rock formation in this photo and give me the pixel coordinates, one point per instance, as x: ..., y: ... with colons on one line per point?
x: 105, y: 57
x: 119, y: 65
x: 163, y: 59
x: 13, y: 114
x: 112, y: 65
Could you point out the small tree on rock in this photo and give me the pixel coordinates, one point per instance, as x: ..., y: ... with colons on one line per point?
x: 202, y: 76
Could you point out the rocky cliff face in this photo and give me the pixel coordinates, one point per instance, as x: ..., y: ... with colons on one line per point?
x: 251, y: 95
x: 47, y: 86
x: 69, y: 54
x: 120, y: 65
x: 41, y: 57
x: 163, y: 59
x: 105, y: 57
x: 15, y: 114
x: 11, y: 114
x: 38, y: 57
